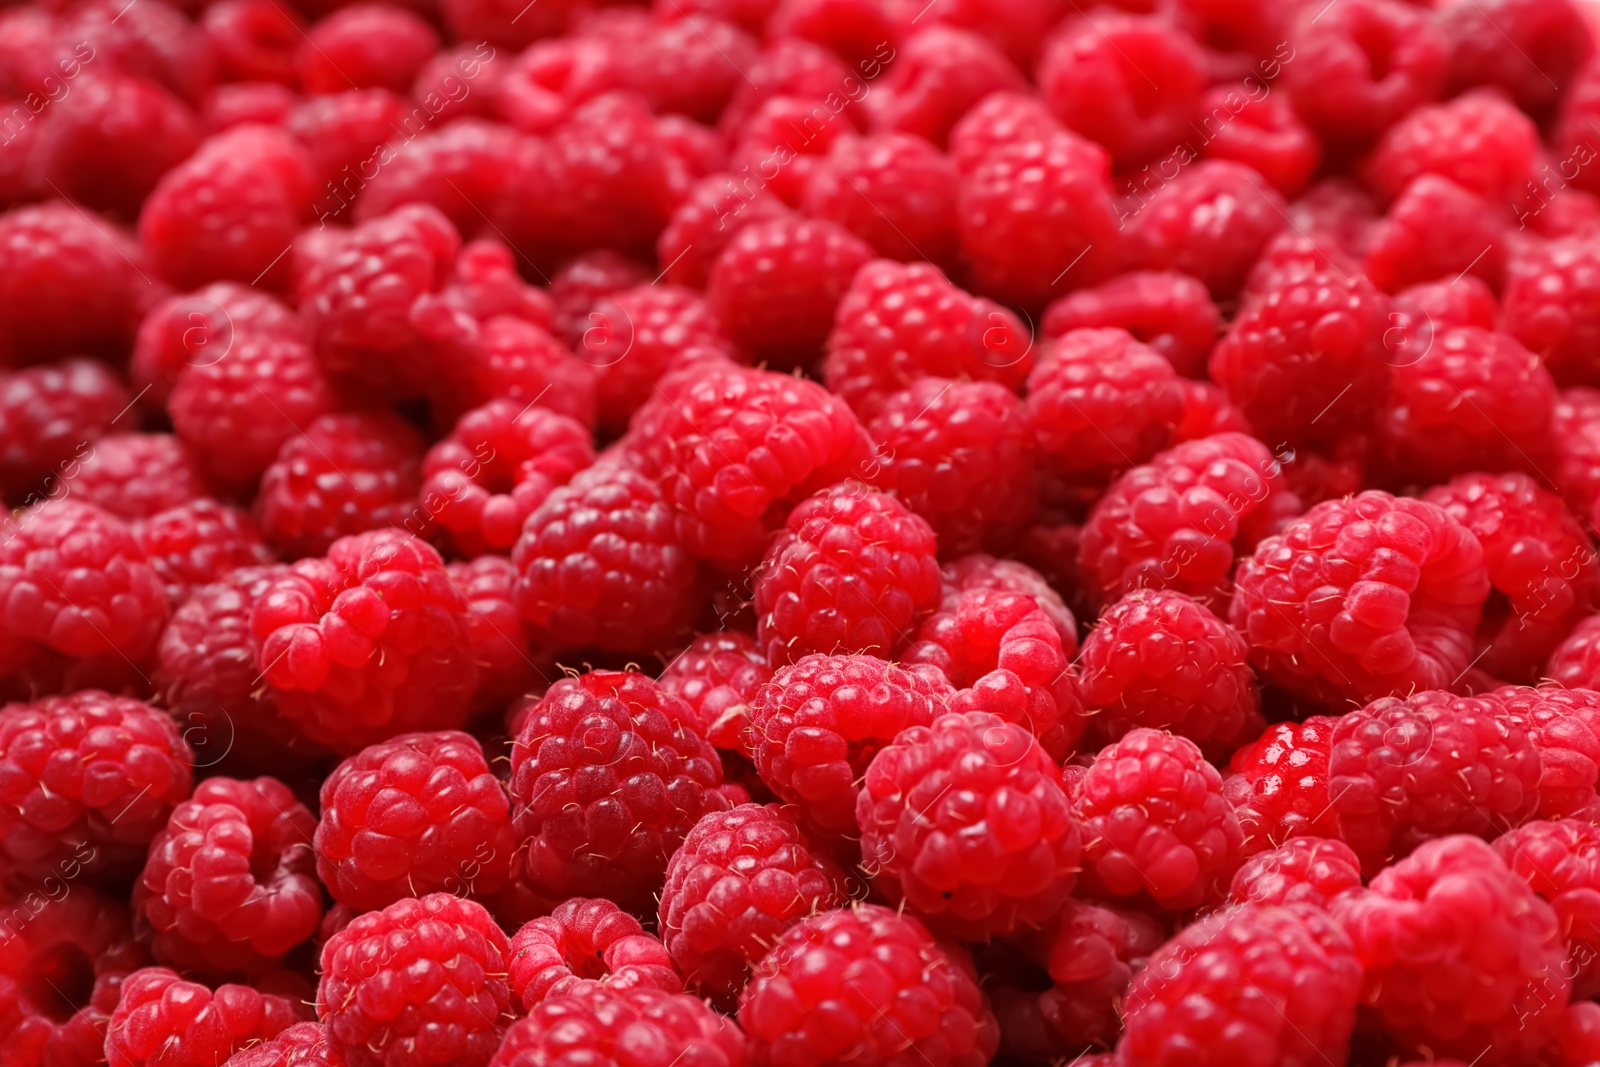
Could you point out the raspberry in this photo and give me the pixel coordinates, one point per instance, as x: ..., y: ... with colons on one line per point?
x: 1158, y: 659
x: 1533, y: 49
x: 979, y: 571
x: 788, y: 66
x: 1452, y: 908
x: 1156, y: 822
x: 454, y: 169
x: 199, y: 542
x: 440, y: 964
x: 816, y: 726
x: 1262, y: 132
x: 1091, y: 76
x: 1100, y: 402
x: 938, y: 74
x: 903, y: 321
x: 498, y: 22
x: 254, y: 40
x: 1463, y: 301
x: 1278, y: 784
x: 506, y: 665
x: 1210, y: 222
x: 966, y: 820
x: 158, y: 43
x: 417, y: 814
x: 1541, y: 567
x: 49, y: 418
x: 607, y: 776
x: 1551, y: 303
x: 370, y: 642
x: 135, y: 475
x: 600, y: 565
x: 1171, y: 313
x: 889, y: 988
x: 1558, y: 861
x: 365, y: 46
x: 1305, y: 361
x: 1359, y: 68
x: 1575, y: 425
x: 1302, y: 870
x: 1179, y: 521
x: 736, y: 449
x: 999, y: 120
x: 1436, y: 229
x: 1227, y: 990
x: 498, y: 465
x: 1479, y: 141
x: 778, y: 282
x: 61, y: 969
x: 1564, y: 725
x: 1207, y: 411
x: 524, y: 362
x: 1363, y: 597
x: 585, y: 280
x: 230, y: 210
x: 714, y: 209
x: 229, y: 885
x: 193, y: 330
x: 343, y: 475
x: 163, y: 1021
x: 1575, y: 663
x: 583, y: 945
x: 609, y: 1025
x: 340, y: 132
x: 719, y: 675
x: 301, y: 1045
x: 895, y: 191
x: 72, y: 284
x: 851, y: 574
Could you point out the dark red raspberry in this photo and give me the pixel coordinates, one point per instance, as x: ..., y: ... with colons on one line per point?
x: 895, y: 191
x: 739, y: 879
x: 903, y: 321
x: 1360, y: 67
x: 1541, y: 564
x: 1156, y: 822
x: 230, y: 885
x: 135, y: 475
x: 607, y: 775
x: 508, y: 666
x: 199, y: 329
x: 1211, y: 222
x: 1363, y: 597
x: 1479, y: 141
x: 524, y: 362
x: 1171, y: 313
x: 198, y: 543
x: 1452, y: 908
x: 1435, y: 230
x: 609, y: 1025
x: 735, y: 449
x: 719, y: 675
x: 50, y: 418
x: 70, y: 283
x: 163, y: 1021
x: 1575, y: 662
x: 582, y: 945
x: 1228, y: 990
x: 1278, y: 784
x: 1159, y: 659
x: 1532, y: 49
x: 498, y: 21
x: 368, y: 45
x: 441, y: 963
x: 417, y: 814
x: 853, y: 573
x: 231, y: 210
x: 890, y: 987
x: 342, y: 475
x: 254, y: 40
x: 1178, y: 521
x: 966, y: 821
x: 1551, y: 303
x: 1302, y: 870
x: 816, y: 726
x: 936, y: 76
x: 1261, y: 131
x: 600, y: 565
x: 1558, y: 860
x: 1091, y: 76
x: 369, y: 642
x: 301, y: 1045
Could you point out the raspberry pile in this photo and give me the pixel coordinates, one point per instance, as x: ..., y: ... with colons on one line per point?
x: 799, y: 533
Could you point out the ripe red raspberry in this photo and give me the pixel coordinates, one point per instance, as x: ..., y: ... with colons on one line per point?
x: 1211, y: 222
x: 453, y: 168
x: 1178, y: 521
x: 1551, y: 303
x: 231, y: 210
x: 1090, y: 76
x: 508, y: 667
x: 607, y: 775
x: 199, y: 328
x: 1305, y: 360
x: 979, y: 571
x: 600, y: 565
x: 1435, y: 230
x: 440, y: 964
x: 1263, y: 132
x: 582, y: 945
x: 787, y: 66
x: 301, y: 1045
x: 1540, y: 563
x: 1156, y: 822
x: 1278, y: 784
x: 1448, y: 909
x: 1228, y: 990
x: 254, y: 40
x: 585, y: 280
x: 229, y: 886
x: 713, y: 210
x: 937, y: 75
x: 895, y: 191
x: 163, y: 1021
x: 1532, y: 49
x: 158, y: 42
x: 524, y: 362
x: 343, y: 475
x: 1558, y: 860
x: 198, y: 543
x: 966, y: 821
x: 1159, y: 659
x: 608, y: 1025
x: 686, y: 63
x: 719, y: 675
x: 369, y: 642
x: 903, y: 321
x: 816, y: 726
x: 1575, y: 425
x: 852, y: 574
x: 1170, y: 312
x: 368, y: 45
x: 135, y: 475
x: 1564, y: 725
x: 998, y: 120
x: 1479, y: 141
x: 778, y: 282
x: 1575, y: 662
x: 1360, y: 67
x: 49, y: 418
x: 1035, y: 218
x: 417, y: 814
x: 1302, y: 870
x: 1363, y: 597
x: 1207, y: 411
x: 1463, y: 301
x: 736, y: 449
x: 343, y: 135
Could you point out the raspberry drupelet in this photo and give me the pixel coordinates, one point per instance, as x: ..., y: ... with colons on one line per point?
x: 719, y: 675
x: 1558, y: 860
x: 1170, y: 312
x: 608, y: 1025
x: 1278, y: 784
x: 163, y: 1020
x: 417, y: 814
x: 582, y: 945
x: 1302, y: 870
